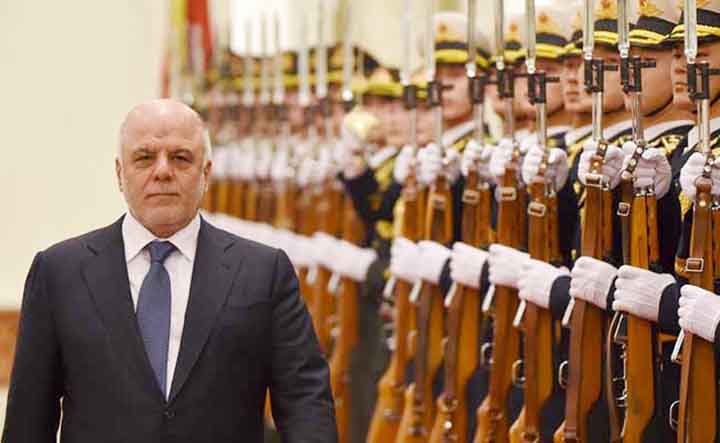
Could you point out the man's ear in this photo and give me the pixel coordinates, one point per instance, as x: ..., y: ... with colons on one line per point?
x: 118, y: 173
x: 207, y: 170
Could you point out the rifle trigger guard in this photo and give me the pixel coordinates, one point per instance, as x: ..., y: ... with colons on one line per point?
x: 486, y: 358
x: 694, y: 264
x: 563, y: 374
x: 536, y: 209
x: 507, y: 193
x: 518, y: 378
x: 674, y: 415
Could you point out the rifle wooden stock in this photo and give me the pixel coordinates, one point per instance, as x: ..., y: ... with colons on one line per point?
x: 698, y: 408
x: 266, y: 202
x: 222, y: 196
x: 251, y: 201
x: 537, y: 325
x: 391, y: 388
x: 419, y: 409
x: 305, y: 224
x: 328, y: 204
x: 463, y: 323
x: 493, y: 423
x: 208, y: 202
x: 237, y: 193
x: 347, y: 312
x: 584, y: 384
x: 285, y: 206
x: 639, y: 355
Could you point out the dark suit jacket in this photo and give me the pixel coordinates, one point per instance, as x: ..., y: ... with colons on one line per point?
x: 246, y: 330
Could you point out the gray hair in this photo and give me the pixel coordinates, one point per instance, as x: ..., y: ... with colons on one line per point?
x: 206, y: 141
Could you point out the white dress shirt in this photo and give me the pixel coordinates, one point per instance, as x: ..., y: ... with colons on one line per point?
x: 179, y: 265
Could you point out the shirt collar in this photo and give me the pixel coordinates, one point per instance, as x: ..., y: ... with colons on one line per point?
x: 136, y: 237
x: 576, y: 134
x: 457, y: 132
x: 661, y: 128
x: 693, y: 134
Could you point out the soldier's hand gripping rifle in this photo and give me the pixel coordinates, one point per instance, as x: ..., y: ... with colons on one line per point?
x: 419, y: 409
x: 386, y: 419
x: 463, y: 303
x: 584, y: 379
x: 493, y: 422
x: 638, y: 220
x: 698, y: 388
x: 543, y: 244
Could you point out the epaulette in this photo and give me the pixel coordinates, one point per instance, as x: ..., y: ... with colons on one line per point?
x: 667, y: 143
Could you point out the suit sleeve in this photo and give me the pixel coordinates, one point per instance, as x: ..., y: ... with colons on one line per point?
x: 301, y: 400
x: 33, y: 408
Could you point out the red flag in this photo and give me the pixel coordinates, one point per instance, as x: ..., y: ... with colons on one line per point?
x: 199, y: 33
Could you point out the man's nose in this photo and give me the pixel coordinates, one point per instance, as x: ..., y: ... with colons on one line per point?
x: 163, y: 168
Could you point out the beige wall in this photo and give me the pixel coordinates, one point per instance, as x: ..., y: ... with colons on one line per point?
x: 68, y: 72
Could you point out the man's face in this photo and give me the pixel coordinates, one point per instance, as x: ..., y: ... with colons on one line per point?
x: 376, y: 106
x: 424, y: 124
x: 553, y: 90
x: 709, y: 52
x: 456, y: 103
x: 162, y: 171
x: 398, y: 123
x: 613, y: 94
x: 655, y: 93
x: 295, y: 112
x: 572, y: 84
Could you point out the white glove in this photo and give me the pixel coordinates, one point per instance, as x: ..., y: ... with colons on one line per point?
x: 699, y: 312
x: 302, y: 254
x: 353, y: 262
x: 476, y: 157
x: 505, y: 265
x: 404, y: 256
x: 402, y: 164
x: 537, y: 280
x: 264, y: 159
x: 431, y: 260
x: 220, y: 163
x: 591, y: 280
x: 430, y: 162
x: 305, y: 172
x: 466, y: 263
x: 612, y: 165
x: 246, y: 165
x: 557, y: 167
x: 653, y: 169
x: 326, y: 250
x: 280, y: 167
x: 693, y: 170
x: 501, y: 156
x: 321, y: 170
x: 638, y: 291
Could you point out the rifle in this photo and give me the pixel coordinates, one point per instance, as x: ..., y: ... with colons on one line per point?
x: 347, y: 289
x: 418, y: 410
x: 638, y: 217
x: 584, y: 381
x: 697, y: 403
x: 543, y: 244
x: 391, y: 387
x: 463, y: 303
x: 284, y: 217
x: 492, y: 418
x: 327, y: 196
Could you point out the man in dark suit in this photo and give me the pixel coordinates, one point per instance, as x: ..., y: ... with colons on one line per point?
x: 161, y: 327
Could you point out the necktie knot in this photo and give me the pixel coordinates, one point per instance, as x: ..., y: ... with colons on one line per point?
x: 160, y: 250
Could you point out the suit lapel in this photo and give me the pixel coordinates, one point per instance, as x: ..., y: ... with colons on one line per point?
x: 213, y: 273
x: 106, y: 276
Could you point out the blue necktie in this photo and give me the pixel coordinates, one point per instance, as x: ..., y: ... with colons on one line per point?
x: 153, y: 311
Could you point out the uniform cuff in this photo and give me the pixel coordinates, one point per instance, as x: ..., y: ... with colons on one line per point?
x: 668, y: 313
x: 559, y: 296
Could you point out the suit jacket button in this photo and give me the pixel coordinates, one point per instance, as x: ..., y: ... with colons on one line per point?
x: 169, y: 414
